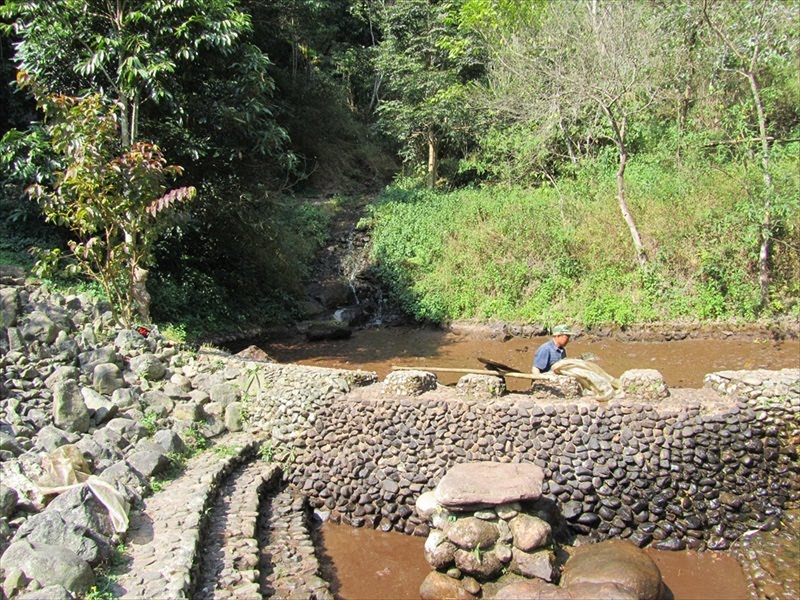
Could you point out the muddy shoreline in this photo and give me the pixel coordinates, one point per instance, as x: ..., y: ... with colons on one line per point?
x: 778, y: 329
x: 785, y: 328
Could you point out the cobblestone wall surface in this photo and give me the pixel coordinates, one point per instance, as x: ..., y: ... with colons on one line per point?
x: 693, y: 471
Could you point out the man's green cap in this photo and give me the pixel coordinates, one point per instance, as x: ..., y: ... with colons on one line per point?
x: 563, y: 330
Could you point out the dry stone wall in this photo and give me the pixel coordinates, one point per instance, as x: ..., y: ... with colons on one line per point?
x: 688, y: 473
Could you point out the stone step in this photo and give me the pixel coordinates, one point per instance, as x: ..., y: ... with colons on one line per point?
x: 289, y: 566
x: 164, y: 537
x: 227, y: 563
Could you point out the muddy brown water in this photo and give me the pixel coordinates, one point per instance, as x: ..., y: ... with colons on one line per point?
x: 683, y: 363
x: 374, y: 565
x: 366, y: 564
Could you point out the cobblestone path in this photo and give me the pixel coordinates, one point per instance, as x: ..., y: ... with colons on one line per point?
x: 228, y: 560
x: 163, y: 539
x: 288, y: 564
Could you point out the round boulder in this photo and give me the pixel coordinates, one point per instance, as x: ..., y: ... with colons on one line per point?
x: 614, y: 562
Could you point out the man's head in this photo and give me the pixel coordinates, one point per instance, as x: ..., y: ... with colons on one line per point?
x: 562, y: 334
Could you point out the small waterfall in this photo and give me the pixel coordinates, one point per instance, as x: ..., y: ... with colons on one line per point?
x: 355, y: 260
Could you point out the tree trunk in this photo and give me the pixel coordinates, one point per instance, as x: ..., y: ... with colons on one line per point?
x: 626, y: 213
x: 619, y: 137
x: 433, y: 161
x: 765, y: 250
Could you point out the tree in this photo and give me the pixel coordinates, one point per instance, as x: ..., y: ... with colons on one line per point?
x: 127, y: 50
x: 111, y: 197
x: 597, y: 67
x: 753, y: 36
x: 426, y: 64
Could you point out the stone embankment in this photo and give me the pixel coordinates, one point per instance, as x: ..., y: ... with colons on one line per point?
x: 693, y: 470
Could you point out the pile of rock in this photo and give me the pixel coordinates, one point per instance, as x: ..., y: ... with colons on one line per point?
x: 492, y: 536
x: 81, y: 398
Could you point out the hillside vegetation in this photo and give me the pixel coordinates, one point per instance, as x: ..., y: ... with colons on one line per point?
x: 561, y: 253
x: 624, y: 161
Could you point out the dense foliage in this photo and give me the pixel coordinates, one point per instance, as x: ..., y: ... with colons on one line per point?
x: 618, y: 162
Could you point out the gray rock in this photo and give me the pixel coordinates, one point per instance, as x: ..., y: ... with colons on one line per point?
x: 49, y: 565
x: 125, y: 398
x: 51, y: 437
x: 69, y: 409
x: 8, y: 500
x: 50, y: 528
x: 187, y: 411
x: 127, y: 428
x: 79, y: 506
x: 129, y: 340
x: 62, y: 373
x: 169, y: 441
x: 101, y: 408
x: 9, y: 306
x: 107, y: 377
x: 99, y: 452
x: 157, y: 398
x: 39, y: 327
x: 181, y: 382
x: 148, y: 366
x: 224, y: 393
x: 409, y: 383
x: 126, y: 480
x: 13, y: 583
x: 50, y: 592
x: 111, y: 438
x: 148, y: 462
x: 102, y: 355
x: 16, y: 343
x: 233, y: 417
x: 9, y: 443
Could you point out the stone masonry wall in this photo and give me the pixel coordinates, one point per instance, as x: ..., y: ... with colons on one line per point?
x: 685, y: 473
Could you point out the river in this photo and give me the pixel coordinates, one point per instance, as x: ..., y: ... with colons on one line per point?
x: 683, y: 363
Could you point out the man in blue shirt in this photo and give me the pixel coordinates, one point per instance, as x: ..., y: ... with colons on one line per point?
x: 553, y: 350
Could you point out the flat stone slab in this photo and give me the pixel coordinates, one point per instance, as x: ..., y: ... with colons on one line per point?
x: 489, y: 484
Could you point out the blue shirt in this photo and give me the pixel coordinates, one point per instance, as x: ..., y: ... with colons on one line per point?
x: 547, y: 355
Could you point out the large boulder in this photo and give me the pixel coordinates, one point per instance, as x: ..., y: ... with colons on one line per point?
x: 317, y: 331
x: 409, y: 383
x: 39, y: 327
x: 50, y: 528
x: 70, y: 412
x: 107, y: 377
x: 9, y: 306
x: 148, y: 366
x: 437, y: 586
x: 79, y: 506
x: 615, y: 562
x: 470, y: 533
x: 49, y: 565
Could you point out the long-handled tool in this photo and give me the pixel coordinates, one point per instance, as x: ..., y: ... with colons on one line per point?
x: 496, y: 373
x: 496, y: 366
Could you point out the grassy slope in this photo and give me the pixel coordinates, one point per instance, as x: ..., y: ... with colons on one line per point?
x: 564, y: 254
